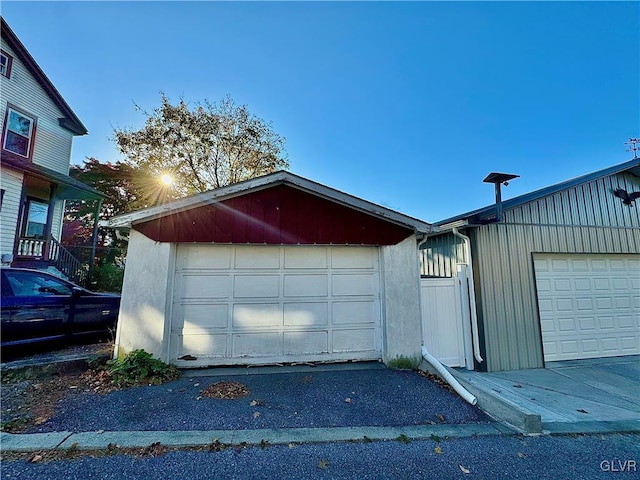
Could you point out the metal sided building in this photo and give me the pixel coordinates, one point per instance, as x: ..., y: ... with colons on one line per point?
x: 556, y: 276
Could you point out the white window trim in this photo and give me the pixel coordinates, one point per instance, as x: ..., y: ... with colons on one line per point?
x: 29, y: 138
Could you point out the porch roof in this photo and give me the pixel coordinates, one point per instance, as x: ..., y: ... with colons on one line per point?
x: 68, y: 188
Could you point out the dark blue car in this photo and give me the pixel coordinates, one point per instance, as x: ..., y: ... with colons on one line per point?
x: 37, y: 307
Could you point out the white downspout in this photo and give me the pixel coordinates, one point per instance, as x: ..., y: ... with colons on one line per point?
x: 444, y: 373
x: 472, y: 296
x: 460, y: 390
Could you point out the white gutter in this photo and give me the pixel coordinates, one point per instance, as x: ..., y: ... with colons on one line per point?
x: 472, y: 296
x: 460, y: 390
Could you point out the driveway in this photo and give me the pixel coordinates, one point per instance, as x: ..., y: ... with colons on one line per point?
x: 313, y: 397
x: 578, y: 395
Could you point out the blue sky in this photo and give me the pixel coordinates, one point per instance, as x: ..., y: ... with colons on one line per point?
x: 408, y: 105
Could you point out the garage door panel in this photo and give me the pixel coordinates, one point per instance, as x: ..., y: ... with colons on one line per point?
x: 353, y: 257
x: 257, y: 258
x: 205, y: 286
x: 256, y: 286
x: 306, y: 314
x: 352, y: 313
x: 305, y: 257
x: 588, y: 305
x: 305, y: 343
x: 198, y: 317
x: 199, y: 257
x: 258, y: 315
x: 263, y: 344
x: 306, y: 285
x: 211, y: 345
x: 360, y: 340
x: 350, y: 285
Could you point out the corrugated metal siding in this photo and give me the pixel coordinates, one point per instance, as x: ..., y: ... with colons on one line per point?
x: 584, y: 219
x: 276, y: 215
x: 440, y: 256
x: 11, y: 183
x: 52, y: 146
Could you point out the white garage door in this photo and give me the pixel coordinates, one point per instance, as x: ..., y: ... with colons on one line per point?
x: 589, y: 305
x: 270, y: 304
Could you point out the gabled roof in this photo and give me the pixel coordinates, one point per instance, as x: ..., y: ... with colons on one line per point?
x: 482, y: 215
x: 70, y: 121
x: 264, y: 182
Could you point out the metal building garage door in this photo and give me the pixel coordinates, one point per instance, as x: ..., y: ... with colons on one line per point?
x: 270, y: 304
x: 589, y: 305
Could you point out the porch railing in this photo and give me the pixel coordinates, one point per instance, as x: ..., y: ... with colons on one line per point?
x: 56, y: 255
x: 31, y: 247
x: 69, y: 265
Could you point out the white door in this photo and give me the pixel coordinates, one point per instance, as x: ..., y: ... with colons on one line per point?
x: 443, y: 320
x: 589, y: 305
x: 270, y: 304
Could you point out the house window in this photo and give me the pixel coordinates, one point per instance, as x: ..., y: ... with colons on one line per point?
x: 36, y: 220
x: 6, y: 61
x: 18, y: 132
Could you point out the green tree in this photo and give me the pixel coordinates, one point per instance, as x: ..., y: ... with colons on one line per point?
x: 208, y: 146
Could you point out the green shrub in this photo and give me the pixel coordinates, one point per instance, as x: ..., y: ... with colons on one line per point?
x: 140, y: 368
x: 107, y: 278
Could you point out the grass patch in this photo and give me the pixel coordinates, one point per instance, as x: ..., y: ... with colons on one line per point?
x: 404, y: 363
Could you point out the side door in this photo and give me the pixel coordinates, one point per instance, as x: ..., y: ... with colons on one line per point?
x: 38, y: 306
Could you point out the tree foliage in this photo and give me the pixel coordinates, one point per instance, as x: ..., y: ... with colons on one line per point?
x: 208, y: 146
x: 125, y: 189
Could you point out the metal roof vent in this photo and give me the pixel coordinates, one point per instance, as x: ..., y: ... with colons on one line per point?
x: 499, y: 179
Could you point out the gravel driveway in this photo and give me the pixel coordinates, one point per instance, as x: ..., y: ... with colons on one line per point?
x: 375, y: 397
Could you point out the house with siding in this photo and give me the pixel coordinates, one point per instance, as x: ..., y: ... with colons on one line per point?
x: 555, y: 276
x: 38, y: 128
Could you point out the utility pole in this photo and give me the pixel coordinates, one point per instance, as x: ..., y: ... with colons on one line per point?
x: 633, y: 146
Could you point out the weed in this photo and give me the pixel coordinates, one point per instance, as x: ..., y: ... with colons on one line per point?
x: 403, y: 438
x: 140, y: 367
x: 403, y: 363
x: 15, y: 425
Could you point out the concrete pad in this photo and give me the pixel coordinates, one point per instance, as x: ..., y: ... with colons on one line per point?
x: 595, y: 394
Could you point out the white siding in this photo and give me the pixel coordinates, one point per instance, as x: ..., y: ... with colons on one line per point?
x: 52, y: 146
x: 11, y: 183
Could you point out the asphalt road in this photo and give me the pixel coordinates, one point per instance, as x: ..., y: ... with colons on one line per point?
x: 501, y: 457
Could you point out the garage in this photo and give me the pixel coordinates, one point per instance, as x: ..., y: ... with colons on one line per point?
x: 270, y: 304
x: 589, y: 305
x: 276, y: 269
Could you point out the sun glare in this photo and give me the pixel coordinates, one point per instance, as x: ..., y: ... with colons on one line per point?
x: 166, y: 179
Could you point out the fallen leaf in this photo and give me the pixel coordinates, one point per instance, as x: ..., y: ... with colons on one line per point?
x: 253, y: 403
x: 517, y: 385
x: 323, y: 464
x: 198, y: 398
x: 256, y: 414
x: 347, y: 400
x: 581, y: 410
x: 464, y: 470
x: 441, y: 417
x: 522, y: 455
x: 438, y: 450
x: 292, y: 445
x: 36, y: 458
x: 196, y: 384
x: 100, y: 432
x: 435, y: 438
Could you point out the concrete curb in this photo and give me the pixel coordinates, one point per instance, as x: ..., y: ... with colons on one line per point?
x: 100, y: 440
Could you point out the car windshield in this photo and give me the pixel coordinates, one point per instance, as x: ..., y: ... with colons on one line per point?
x: 29, y: 284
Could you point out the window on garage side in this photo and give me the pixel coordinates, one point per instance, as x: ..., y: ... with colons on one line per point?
x: 18, y: 132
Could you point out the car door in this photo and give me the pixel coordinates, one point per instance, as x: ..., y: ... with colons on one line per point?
x: 38, y: 306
